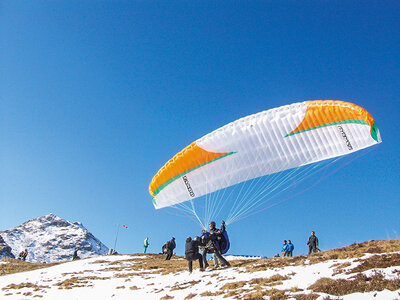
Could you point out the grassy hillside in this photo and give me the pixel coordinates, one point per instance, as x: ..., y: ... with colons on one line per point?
x: 359, y: 268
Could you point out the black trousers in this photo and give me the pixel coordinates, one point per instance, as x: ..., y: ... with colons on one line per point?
x: 190, y: 260
x: 312, y: 249
x: 169, y: 254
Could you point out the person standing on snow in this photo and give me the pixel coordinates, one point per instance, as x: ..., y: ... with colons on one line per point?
x: 168, y: 248
x: 312, y: 243
x: 145, y: 244
x: 284, y: 248
x: 192, y: 252
x: 290, y: 248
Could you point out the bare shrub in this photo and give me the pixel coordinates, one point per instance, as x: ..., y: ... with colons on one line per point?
x: 190, y: 296
x: 358, y: 283
x: 339, y: 267
x: 377, y: 262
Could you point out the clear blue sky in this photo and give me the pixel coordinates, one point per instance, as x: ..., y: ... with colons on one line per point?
x: 97, y: 95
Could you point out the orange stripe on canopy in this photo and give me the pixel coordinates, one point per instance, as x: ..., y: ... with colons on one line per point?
x: 320, y: 113
x: 189, y: 158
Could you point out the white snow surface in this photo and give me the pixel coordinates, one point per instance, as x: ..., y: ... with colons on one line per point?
x: 111, y: 277
x: 52, y: 239
x: 241, y: 257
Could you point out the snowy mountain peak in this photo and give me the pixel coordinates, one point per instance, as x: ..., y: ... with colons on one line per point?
x: 50, y: 238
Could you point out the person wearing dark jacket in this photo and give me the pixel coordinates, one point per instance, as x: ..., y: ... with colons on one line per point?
x: 168, y: 248
x: 210, y: 242
x: 192, y: 252
x: 312, y: 243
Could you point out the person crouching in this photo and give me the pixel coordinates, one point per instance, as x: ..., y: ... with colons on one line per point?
x: 192, y: 252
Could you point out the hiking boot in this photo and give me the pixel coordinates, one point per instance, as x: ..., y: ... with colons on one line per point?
x: 201, y: 269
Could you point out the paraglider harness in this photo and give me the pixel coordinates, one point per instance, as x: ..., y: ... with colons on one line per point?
x: 221, y: 243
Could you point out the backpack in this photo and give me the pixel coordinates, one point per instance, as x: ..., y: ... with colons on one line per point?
x: 224, y: 243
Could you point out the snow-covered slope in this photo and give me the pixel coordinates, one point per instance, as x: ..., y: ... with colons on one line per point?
x: 51, y: 239
x: 150, y: 277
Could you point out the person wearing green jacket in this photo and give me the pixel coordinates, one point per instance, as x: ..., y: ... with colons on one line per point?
x: 146, y: 244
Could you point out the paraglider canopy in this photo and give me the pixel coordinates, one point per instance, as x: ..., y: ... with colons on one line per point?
x: 281, y: 145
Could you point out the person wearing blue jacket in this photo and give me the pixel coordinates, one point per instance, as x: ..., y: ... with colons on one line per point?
x: 290, y: 248
x: 284, y: 248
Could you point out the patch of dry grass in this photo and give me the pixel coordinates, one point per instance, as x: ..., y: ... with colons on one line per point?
x: 251, y: 266
x: 358, y: 283
x: 273, y: 280
x: 358, y: 250
x: 339, y: 268
x: 211, y: 294
x: 125, y: 275
x: 306, y: 296
x: 255, y: 282
x: 185, y: 285
x: 233, y: 285
x: 153, y: 264
x: 166, y: 297
x: 23, y: 285
x: 16, y: 266
x: 255, y: 288
x: 352, y: 251
x: 273, y: 294
x: 78, y: 282
x: 190, y: 296
x: 377, y: 262
x: 134, y: 288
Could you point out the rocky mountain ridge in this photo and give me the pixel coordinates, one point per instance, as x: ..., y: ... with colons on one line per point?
x: 50, y: 239
x: 5, y: 250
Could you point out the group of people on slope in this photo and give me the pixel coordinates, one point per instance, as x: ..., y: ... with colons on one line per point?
x: 313, y: 243
x: 210, y: 242
x: 287, y: 248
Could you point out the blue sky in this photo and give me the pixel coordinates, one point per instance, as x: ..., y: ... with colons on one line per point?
x: 97, y: 95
